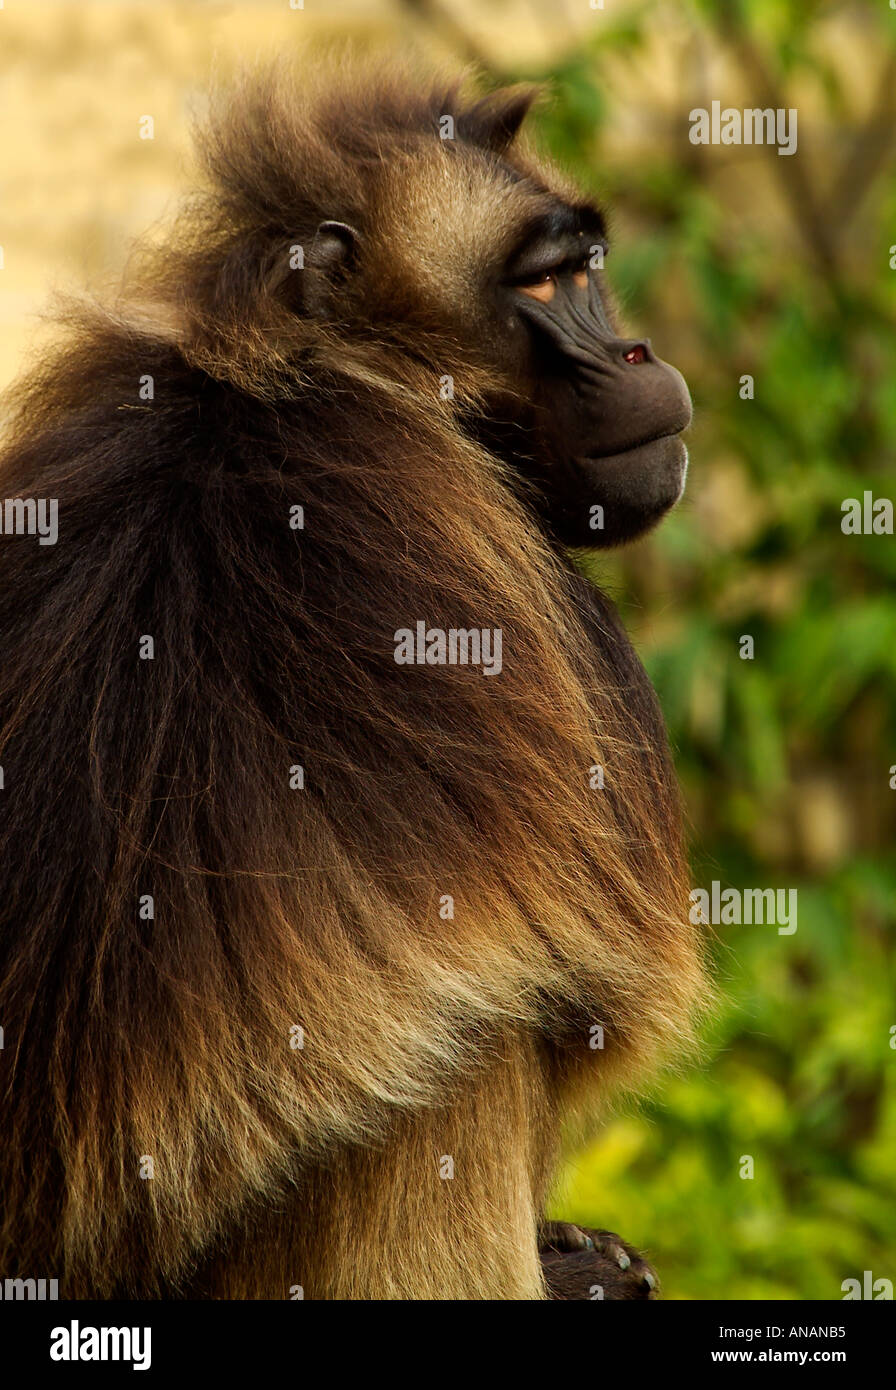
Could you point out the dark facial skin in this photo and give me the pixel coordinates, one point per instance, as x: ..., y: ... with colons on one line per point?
x: 606, y: 457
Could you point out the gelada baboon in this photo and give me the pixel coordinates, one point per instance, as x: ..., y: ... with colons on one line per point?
x: 340, y: 849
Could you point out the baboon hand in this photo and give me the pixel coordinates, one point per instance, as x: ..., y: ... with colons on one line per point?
x: 580, y: 1263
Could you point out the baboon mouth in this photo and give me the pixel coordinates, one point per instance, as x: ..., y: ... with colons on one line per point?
x: 631, y: 451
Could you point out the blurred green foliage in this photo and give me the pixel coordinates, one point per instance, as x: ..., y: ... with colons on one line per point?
x: 739, y: 261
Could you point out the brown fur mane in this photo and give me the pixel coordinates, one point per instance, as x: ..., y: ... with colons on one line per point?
x: 171, y: 777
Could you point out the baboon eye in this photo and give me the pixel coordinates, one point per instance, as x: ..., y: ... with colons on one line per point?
x: 543, y: 288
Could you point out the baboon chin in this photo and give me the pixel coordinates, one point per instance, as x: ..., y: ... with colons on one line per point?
x: 304, y: 949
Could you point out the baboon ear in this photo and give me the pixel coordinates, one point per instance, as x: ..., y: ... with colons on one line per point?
x: 494, y: 122
x: 335, y: 247
x: 332, y: 256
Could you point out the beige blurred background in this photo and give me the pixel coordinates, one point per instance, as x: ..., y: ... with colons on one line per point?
x: 76, y: 180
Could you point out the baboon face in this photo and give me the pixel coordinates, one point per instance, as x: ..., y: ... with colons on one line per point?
x: 610, y: 461
x: 489, y: 263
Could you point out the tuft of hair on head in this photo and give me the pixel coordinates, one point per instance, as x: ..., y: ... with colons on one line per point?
x: 494, y: 121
